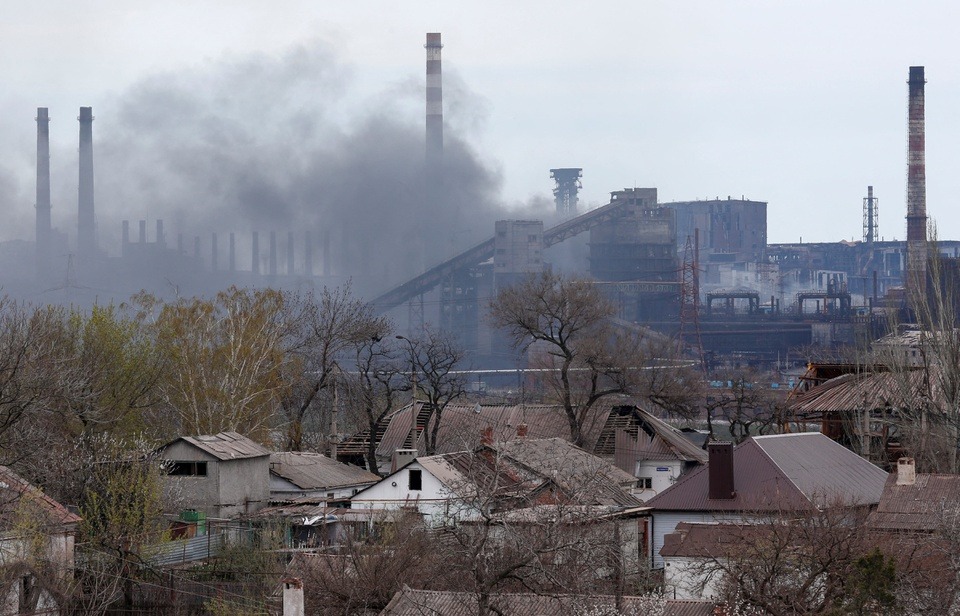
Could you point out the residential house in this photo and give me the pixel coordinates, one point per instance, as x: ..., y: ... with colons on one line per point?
x: 410, y: 602
x: 305, y: 475
x: 762, y: 476
x: 630, y: 437
x: 689, y: 554
x: 499, y: 477
x: 917, y: 524
x: 223, y: 475
x: 36, y: 548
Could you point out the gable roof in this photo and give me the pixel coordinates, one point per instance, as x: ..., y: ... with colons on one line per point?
x: 19, y: 497
x: 917, y: 507
x: 315, y: 471
x: 225, y: 445
x: 410, y: 602
x: 517, y: 472
x: 782, y: 472
x: 864, y: 391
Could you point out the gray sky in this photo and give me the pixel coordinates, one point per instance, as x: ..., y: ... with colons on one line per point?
x: 801, y: 104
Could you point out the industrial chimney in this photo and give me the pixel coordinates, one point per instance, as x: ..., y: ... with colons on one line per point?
x: 434, y: 101
x: 916, y: 280
x: 43, y: 192
x: 86, y: 222
x: 870, y: 217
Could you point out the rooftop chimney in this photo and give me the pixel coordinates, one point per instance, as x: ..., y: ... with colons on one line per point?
x: 916, y: 275
x: 434, y: 100
x: 720, y: 468
x: 86, y: 221
x: 43, y: 192
x: 906, y: 472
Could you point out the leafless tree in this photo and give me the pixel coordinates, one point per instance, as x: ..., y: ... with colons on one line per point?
x: 323, y: 330
x: 437, y: 358
x: 375, y: 382
x: 744, y: 406
x: 564, y: 324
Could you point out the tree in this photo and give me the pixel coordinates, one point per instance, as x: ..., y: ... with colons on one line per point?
x: 324, y: 330
x: 744, y: 405
x: 564, y: 324
x: 815, y: 562
x: 436, y: 357
x: 226, y: 360
x: 374, y: 385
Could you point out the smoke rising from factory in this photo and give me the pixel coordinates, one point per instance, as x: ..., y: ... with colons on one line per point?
x: 277, y: 143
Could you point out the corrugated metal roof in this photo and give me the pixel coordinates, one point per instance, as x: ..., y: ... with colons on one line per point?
x: 315, y: 471
x: 410, y: 602
x: 862, y: 391
x: 917, y: 507
x: 782, y: 472
x: 227, y: 445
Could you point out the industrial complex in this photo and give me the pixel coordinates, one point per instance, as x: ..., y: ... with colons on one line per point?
x: 700, y: 269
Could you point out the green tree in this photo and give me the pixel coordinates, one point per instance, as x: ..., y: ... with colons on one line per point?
x: 226, y: 360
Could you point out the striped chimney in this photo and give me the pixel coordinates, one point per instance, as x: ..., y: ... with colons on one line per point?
x: 86, y: 221
x: 43, y: 192
x: 434, y: 100
x: 916, y: 186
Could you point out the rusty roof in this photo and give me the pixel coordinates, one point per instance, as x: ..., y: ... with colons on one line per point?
x: 921, y: 506
x: 781, y: 472
x: 19, y: 497
x: 315, y: 471
x: 863, y: 391
x: 225, y: 445
x: 410, y: 602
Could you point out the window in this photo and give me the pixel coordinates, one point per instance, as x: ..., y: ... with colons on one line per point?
x: 645, y: 483
x: 188, y: 469
x: 416, y: 479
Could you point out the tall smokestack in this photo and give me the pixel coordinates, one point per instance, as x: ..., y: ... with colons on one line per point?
x: 290, y: 267
x: 273, y: 253
x: 308, y: 255
x: 869, y: 217
x: 43, y: 192
x: 86, y: 221
x: 233, y: 254
x: 916, y: 187
x: 434, y: 101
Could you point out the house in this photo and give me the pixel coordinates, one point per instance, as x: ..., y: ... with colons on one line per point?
x: 917, y: 523
x: 498, y: 477
x: 305, y: 475
x: 223, y: 475
x: 410, y: 602
x: 36, y: 548
x: 689, y: 553
x: 625, y: 434
x: 765, y: 475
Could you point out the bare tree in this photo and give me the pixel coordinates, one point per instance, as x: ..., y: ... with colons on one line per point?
x: 436, y: 358
x: 324, y: 329
x: 744, y: 406
x: 564, y: 324
x: 376, y: 380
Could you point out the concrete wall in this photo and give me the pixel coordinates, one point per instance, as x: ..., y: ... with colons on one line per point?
x: 690, y: 579
x: 663, y: 474
x: 231, y: 487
